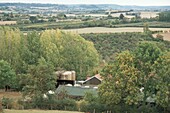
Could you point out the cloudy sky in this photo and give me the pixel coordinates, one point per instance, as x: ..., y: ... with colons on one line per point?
x: 120, y: 2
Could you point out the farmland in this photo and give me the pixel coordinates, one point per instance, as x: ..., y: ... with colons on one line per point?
x: 8, y: 22
x: 112, y: 30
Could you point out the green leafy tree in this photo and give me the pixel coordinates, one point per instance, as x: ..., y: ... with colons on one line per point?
x: 7, y: 75
x: 30, y: 50
x: 120, y: 83
x: 33, y: 19
x: 69, y: 51
x: 164, y: 16
x: 145, y: 67
x: 161, y: 69
x: 9, y: 46
x: 40, y: 79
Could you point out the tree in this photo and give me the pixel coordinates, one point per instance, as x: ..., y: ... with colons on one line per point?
x: 40, y: 79
x: 33, y: 19
x: 69, y: 51
x: 120, y: 83
x: 30, y: 49
x: 9, y: 46
x: 164, y: 16
x: 161, y: 69
x: 121, y: 16
x: 146, y: 55
x: 146, y: 29
x: 7, y: 75
x: 145, y: 67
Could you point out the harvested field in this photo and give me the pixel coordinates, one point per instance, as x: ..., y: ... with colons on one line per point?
x: 8, y: 22
x: 112, y: 30
x: 38, y: 111
x: 149, y: 14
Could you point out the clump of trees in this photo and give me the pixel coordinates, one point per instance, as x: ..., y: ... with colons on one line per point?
x: 137, y: 79
x: 164, y: 16
x: 62, y: 50
x: 7, y: 75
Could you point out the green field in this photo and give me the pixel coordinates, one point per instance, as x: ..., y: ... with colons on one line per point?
x: 85, y: 24
x: 39, y: 111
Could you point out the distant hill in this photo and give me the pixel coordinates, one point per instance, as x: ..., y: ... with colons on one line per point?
x: 87, y: 7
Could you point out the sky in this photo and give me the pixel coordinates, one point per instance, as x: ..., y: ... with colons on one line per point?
x: 119, y: 2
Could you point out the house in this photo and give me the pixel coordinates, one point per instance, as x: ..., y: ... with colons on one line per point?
x: 93, y: 81
x: 76, y: 92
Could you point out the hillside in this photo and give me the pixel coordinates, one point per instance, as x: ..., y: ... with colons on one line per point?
x: 108, y: 44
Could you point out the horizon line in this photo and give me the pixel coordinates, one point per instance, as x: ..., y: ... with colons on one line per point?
x: 83, y: 4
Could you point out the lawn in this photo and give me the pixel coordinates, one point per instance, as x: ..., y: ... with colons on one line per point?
x: 38, y: 111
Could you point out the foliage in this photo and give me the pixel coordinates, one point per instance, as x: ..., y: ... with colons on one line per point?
x: 91, y: 103
x: 123, y: 79
x: 7, y: 75
x: 40, y: 79
x: 33, y: 19
x: 69, y: 51
x: 63, y: 50
x: 108, y: 44
x: 164, y: 16
x: 161, y: 69
x: 9, y: 46
x: 121, y: 16
x: 7, y: 103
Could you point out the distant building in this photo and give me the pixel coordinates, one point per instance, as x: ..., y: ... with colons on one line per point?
x: 76, y: 92
x: 93, y: 81
x: 65, y: 77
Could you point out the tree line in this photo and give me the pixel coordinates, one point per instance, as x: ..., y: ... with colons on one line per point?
x: 63, y: 51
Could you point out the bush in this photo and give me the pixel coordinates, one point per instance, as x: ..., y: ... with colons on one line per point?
x: 7, y: 103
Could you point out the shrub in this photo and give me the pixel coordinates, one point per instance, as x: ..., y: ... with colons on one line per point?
x: 7, y: 103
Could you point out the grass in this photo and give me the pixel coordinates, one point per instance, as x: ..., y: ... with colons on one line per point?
x: 11, y: 95
x: 38, y: 111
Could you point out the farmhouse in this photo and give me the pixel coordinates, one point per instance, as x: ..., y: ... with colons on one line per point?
x: 76, y: 92
x: 65, y: 77
x: 93, y: 81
